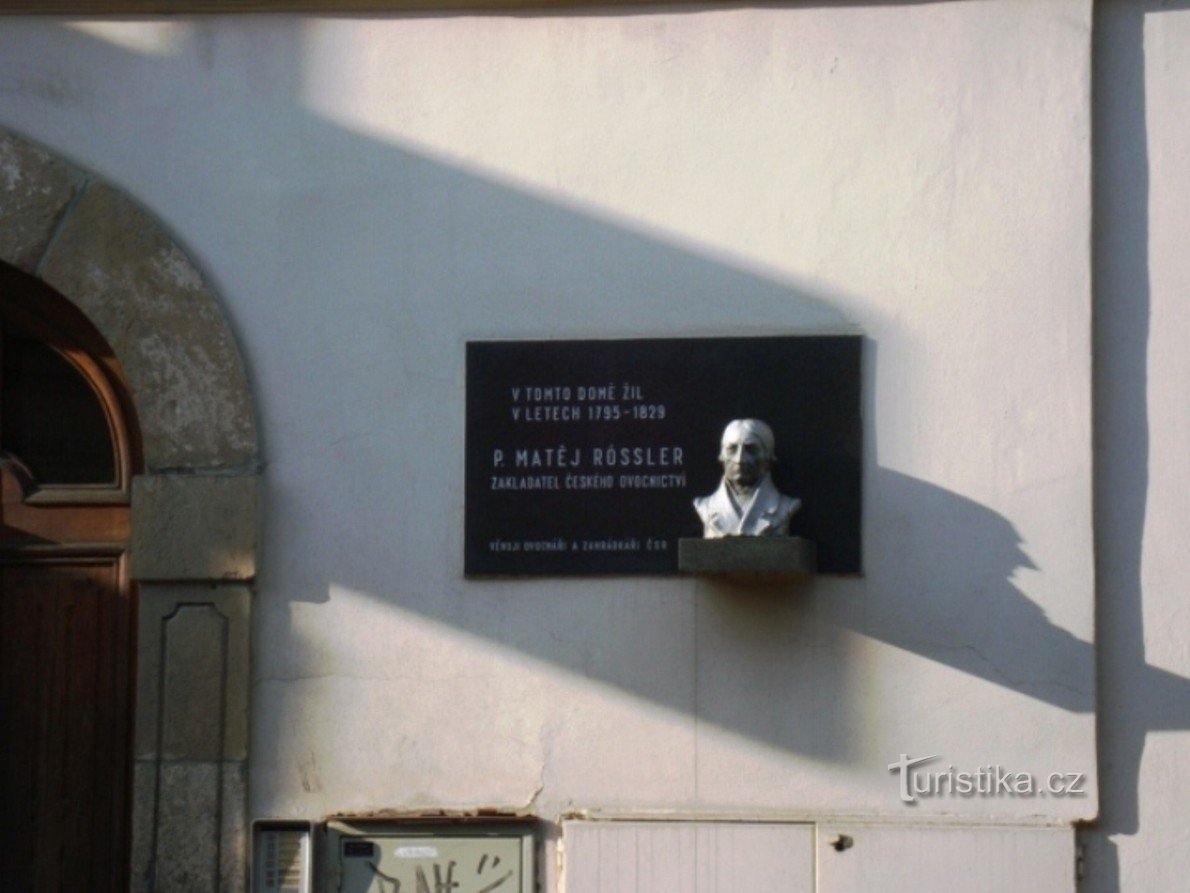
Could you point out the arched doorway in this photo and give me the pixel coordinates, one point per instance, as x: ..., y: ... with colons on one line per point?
x: 68, y: 450
x: 190, y: 514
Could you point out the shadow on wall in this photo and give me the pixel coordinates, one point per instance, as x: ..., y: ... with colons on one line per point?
x: 795, y: 648
x: 792, y: 649
x: 947, y: 605
x: 1134, y: 697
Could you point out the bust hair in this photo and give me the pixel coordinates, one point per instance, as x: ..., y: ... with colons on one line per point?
x: 751, y: 426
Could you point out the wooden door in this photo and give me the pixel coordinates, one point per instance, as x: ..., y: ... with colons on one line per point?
x: 67, y: 608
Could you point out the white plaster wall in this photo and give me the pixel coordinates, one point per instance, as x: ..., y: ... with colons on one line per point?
x: 369, y: 194
x: 1143, y: 426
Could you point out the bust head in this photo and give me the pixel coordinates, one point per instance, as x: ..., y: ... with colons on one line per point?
x: 746, y: 503
x: 746, y: 452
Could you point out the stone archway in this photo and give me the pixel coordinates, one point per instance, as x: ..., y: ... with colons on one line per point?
x: 194, y: 510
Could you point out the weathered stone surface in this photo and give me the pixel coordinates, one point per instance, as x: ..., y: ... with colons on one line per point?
x: 200, y: 814
x: 146, y: 297
x: 194, y: 643
x: 144, y: 817
x: 189, y: 783
x: 193, y: 662
x: 742, y: 555
x: 233, y: 874
x: 35, y: 189
x: 194, y: 527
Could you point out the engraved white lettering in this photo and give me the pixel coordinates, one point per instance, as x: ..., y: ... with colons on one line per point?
x: 612, y: 456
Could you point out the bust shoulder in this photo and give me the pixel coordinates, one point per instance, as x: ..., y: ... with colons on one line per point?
x: 789, y: 505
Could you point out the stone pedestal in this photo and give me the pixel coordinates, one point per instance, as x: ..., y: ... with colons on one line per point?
x: 748, y: 556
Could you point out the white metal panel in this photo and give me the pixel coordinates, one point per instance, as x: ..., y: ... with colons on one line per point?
x: 282, y: 857
x: 687, y: 857
x: 895, y: 858
x: 478, y: 856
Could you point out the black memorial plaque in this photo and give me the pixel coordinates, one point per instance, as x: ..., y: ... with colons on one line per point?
x: 584, y: 457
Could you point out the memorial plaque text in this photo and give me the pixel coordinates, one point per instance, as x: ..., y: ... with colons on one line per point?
x: 584, y: 457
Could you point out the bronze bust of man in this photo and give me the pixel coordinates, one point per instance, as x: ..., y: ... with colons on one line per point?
x: 747, y: 502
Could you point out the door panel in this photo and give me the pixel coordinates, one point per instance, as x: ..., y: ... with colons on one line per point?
x: 64, y: 725
x: 68, y: 450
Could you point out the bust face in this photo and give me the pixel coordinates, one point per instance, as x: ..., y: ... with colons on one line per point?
x: 745, y: 457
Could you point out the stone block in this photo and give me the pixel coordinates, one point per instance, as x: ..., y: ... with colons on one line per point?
x: 152, y: 305
x: 194, y: 527
x: 234, y: 852
x: 189, y: 827
x: 35, y: 190
x: 144, y: 818
x: 192, y: 672
x: 747, y: 556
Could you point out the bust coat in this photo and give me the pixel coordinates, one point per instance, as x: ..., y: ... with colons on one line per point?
x: 766, y: 514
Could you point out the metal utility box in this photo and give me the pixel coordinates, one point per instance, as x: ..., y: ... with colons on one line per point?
x: 282, y: 856
x: 467, y: 856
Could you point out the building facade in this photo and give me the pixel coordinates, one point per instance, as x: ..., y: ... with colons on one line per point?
x: 274, y: 236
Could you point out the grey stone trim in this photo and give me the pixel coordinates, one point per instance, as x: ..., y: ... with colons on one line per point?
x: 153, y: 307
x: 777, y: 556
x: 122, y: 269
x: 194, y: 514
x: 194, y: 527
x: 192, y: 672
x: 35, y: 191
x: 189, y: 827
x: 191, y: 741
